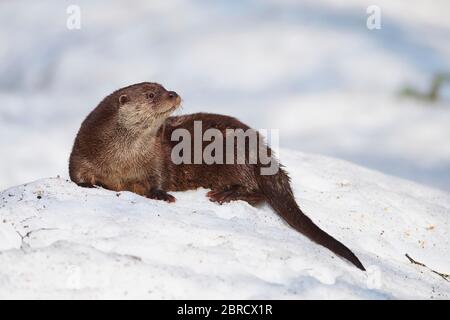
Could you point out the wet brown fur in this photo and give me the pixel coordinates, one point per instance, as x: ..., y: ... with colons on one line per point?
x: 119, y: 152
x: 122, y: 152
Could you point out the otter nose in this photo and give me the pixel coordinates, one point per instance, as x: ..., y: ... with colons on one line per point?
x: 173, y: 94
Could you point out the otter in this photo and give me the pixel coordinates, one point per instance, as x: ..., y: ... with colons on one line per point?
x: 125, y: 144
x: 117, y: 146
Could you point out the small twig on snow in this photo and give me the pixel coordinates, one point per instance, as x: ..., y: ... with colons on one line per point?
x: 444, y: 276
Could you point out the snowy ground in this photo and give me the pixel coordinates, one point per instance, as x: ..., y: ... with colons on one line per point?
x: 310, y: 68
x: 60, y: 241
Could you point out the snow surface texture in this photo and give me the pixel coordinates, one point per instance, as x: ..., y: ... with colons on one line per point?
x: 61, y: 241
x: 310, y: 68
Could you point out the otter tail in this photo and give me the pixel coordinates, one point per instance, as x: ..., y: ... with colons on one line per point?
x: 279, y: 195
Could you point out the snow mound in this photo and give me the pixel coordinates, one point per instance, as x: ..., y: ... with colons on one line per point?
x: 61, y: 241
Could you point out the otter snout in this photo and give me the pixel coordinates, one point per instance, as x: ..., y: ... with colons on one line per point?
x: 174, y: 98
x: 172, y: 94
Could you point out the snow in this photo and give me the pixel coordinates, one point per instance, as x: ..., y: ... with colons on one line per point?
x: 61, y: 241
x: 309, y: 68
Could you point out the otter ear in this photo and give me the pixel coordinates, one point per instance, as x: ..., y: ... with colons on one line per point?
x: 123, y: 99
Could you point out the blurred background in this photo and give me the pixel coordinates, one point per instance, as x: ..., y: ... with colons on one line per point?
x: 379, y: 98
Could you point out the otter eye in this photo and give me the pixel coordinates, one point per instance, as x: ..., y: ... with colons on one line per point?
x: 150, y: 95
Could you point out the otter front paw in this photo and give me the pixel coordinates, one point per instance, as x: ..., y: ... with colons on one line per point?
x: 85, y: 185
x: 158, y: 194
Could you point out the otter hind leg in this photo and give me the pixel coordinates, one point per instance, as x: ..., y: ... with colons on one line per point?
x: 235, y: 193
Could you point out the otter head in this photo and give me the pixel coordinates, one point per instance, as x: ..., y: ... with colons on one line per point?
x: 145, y: 106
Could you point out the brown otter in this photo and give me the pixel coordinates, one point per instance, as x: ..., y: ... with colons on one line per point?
x: 126, y: 144
x: 117, y: 146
